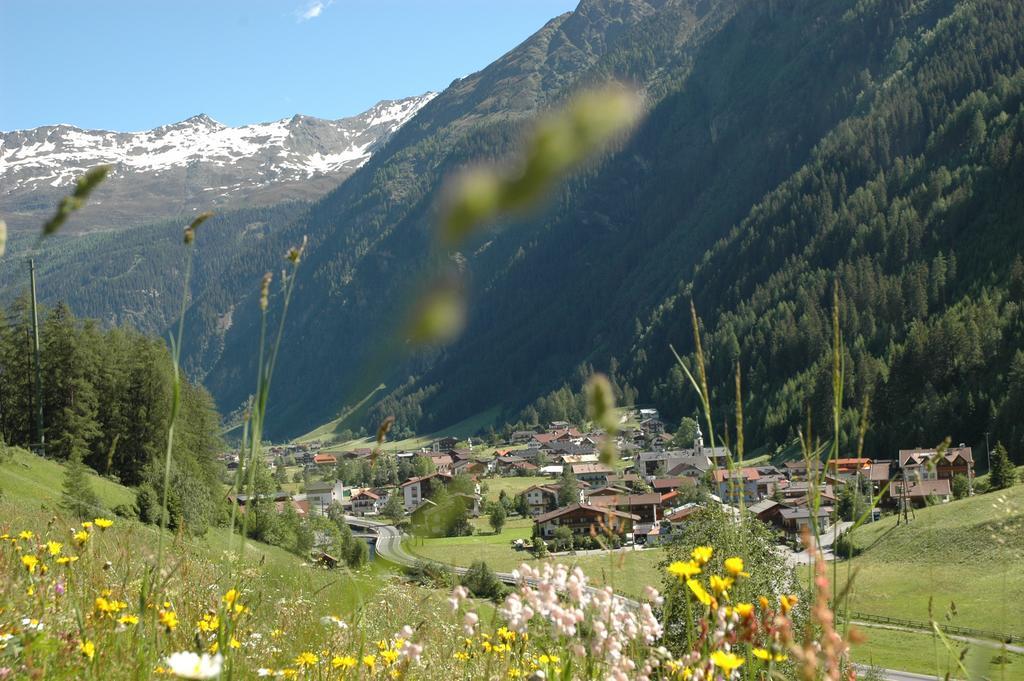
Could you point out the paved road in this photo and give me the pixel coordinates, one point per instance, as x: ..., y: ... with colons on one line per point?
x: 897, y: 675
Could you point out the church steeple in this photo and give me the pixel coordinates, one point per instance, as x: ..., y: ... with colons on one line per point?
x: 698, y: 440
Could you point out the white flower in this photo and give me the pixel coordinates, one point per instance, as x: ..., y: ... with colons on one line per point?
x: 332, y: 621
x: 188, y: 665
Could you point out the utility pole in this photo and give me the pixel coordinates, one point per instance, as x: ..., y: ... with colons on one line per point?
x: 40, y: 437
x: 988, y: 452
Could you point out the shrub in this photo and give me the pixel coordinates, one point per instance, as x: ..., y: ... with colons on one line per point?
x: 483, y: 583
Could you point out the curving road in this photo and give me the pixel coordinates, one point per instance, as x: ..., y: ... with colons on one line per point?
x: 389, y: 547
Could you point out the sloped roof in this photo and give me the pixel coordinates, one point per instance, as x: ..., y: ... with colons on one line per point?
x: 596, y: 510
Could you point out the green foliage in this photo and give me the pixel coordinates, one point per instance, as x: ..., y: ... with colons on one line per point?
x: 749, y: 539
x: 562, y: 539
x: 685, y: 434
x: 393, y: 508
x: 77, y: 496
x: 483, y: 583
x: 1003, y: 473
x: 569, y: 490
x: 961, y: 486
x: 540, y: 547
x: 496, y: 517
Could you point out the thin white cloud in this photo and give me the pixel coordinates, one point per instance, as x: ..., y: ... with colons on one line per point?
x: 313, y: 10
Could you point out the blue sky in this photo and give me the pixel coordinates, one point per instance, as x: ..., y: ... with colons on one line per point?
x: 136, y: 64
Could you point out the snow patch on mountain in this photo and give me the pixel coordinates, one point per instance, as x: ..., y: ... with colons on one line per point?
x: 256, y: 155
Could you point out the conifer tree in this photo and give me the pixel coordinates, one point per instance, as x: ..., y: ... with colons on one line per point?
x: 1003, y: 474
x: 77, y: 495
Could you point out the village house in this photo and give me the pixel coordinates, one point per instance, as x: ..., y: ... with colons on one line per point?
x: 324, y: 460
x: 919, y: 493
x: 583, y: 519
x: 740, y: 483
x: 927, y: 464
x: 794, y: 519
x: 365, y: 502
x: 665, y: 484
x: 646, y: 507
x: 416, y: 490
x: 446, y: 443
x: 541, y: 498
x: 593, y: 473
x: 514, y: 465
x: 521, y: 437
x: 843, y: 470
x: 320, y: 494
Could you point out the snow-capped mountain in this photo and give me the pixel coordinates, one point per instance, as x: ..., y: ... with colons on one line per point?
x: 193, y: 165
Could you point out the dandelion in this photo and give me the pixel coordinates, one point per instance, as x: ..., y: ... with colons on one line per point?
x: 720, y: 585
x: 30, y: 562
x: 65, y: 560
x: 87, y: 648
x: 54, y: 547
x: 767, y: 655
x: 128, y: 620
x: 684, y: 569
x: 734, y: 566
x: 787, y: 603
x: 698, y: 591
x: 727, y: 662
x: 25, y: 534
x: 81, y: 537
x: 306, y: 659
x: 103, y: 523
x: 87, y: 524
x: 343, y: 662
x: 702, y: 554
x: 370, y: 661
x: 745, y: 610
x: 169, y: 619
x: 189, y: 665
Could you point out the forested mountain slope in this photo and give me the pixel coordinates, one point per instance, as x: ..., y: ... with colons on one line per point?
x: 787, y: 143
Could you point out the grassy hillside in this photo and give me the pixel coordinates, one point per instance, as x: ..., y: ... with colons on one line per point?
x: 966, y: 553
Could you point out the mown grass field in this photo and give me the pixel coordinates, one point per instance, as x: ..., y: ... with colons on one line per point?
x: 924, y: 653
x: 968, y: 553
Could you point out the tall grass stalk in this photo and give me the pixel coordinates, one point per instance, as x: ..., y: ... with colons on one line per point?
x: 176, y: 343
x: 265, y: 371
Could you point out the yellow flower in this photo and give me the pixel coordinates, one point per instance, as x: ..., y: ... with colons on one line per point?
x: 234, y: 643
x: 370, y: 661
x: 548, y: 659
x: 30, y: 562
x: 726, y: 661
x: 208, y: 623
x: 745, y: 610
x: 54, y: 547
x: 87, y: 524
x: 106, y: 606
x: 767, y: 655
x: 127, y: 619
x: 306, y: 659
x: 25, y: 534
x: 698, y: 591
x: 389, y: 656
x: 684, y: 569
x: 169, y: 619
x: 87, y: 648
x: 702, y: 554
x: 461, y: 656
x: 103, y: 523
x: 64, y: 560
x: 81, y: 537
x: 720, y: 585
x: 734, y: 566
x: 231, y: 596
x: 346, y: 662
x: 787, y: 603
